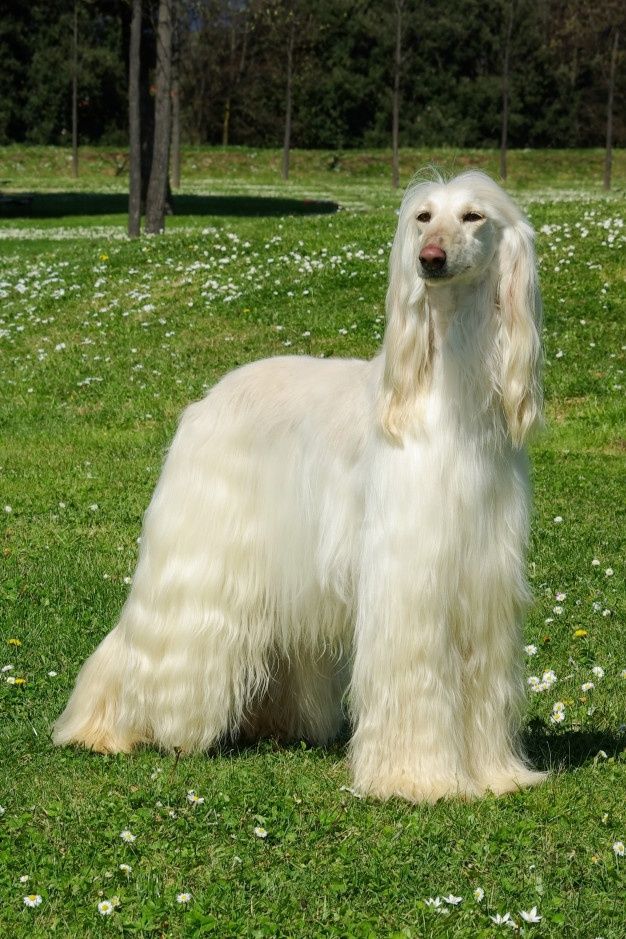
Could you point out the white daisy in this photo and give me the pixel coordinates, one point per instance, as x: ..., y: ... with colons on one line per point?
x: 33, y: 899
x: 105, y: 908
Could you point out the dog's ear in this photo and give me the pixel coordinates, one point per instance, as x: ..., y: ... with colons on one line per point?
x: 520, y: 309
x: 408, y: 337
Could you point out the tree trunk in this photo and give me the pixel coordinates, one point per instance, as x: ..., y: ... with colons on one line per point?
x: 395, y: 127
x: 175, y: 128
x: 75, y: 94
x: 505, y: 92
x: 158, y: 185
x: 134, y: 123
x: 289, y: 101
x: 608, y: 156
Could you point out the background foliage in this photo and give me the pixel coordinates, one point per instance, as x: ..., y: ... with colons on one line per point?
x: 232, y: 70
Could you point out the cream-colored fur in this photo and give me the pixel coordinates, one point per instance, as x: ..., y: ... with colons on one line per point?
x: 323, y: 527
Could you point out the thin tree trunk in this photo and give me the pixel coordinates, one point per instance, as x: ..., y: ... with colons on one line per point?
x: 75, y: 94
x: 134, y: 123
x: 231, y: 80
x: 608, y: 157
x: 289, y: 101
x: 235, y: 75
x: 505, y: 92
x: 395, y: 127
x: 175, y: 128
x: 158, y: 185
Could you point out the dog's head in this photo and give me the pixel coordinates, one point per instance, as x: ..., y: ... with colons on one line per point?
x: 462, y: 232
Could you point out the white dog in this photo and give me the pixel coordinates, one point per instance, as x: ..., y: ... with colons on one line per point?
x: 330, y: 526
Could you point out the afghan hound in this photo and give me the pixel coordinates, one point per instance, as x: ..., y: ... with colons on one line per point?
x: 333, y: 537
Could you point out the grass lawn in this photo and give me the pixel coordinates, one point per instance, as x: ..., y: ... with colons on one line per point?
x: 102, y: 344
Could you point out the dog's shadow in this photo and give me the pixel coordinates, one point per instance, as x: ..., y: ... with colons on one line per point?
x: 570, y: 749
x: 545, y: 749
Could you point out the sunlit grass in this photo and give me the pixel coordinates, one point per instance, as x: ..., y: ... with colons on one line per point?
x: 103, y: 342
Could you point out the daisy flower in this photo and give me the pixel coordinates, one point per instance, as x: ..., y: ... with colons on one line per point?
x: 598, y: 671
x: 194, y: 799
x: 619, y: 849
x: 530, y: 650
x: 128, y: 836
x: 479, y: 894
x: 183, y: 897
x: 105, y: 908
x: 33, y: 899
x: 260, y: 832
x: 587, y: 686
x: 125, y: 869
x: 558, y: 713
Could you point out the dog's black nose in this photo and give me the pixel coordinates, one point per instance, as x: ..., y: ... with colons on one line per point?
x: 432, y: 258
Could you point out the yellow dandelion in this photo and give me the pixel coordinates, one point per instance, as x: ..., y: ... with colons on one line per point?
x: 14, y: 642
x: 580, y: 633
x: 19, y: 681
x: 104, y: 257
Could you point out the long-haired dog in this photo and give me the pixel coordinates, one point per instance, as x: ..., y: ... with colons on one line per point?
x: 330, y: 530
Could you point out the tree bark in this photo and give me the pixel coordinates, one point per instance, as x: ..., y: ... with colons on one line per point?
x: 175, y: 128
x: 504, y: 132
x: 289, y: 96
x: 395, y: 121
x: 608, y: 156
x: 158, y: 185
x: 75, y: 93
x: 134, y: 123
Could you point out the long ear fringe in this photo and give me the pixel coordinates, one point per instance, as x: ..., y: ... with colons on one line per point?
x: 408, y: 340
x: 520, y: 308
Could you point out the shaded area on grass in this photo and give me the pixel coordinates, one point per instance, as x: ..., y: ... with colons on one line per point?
x: 61, y: 204
x: 565, y: 751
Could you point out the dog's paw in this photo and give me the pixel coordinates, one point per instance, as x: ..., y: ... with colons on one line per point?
x: 502, y: 780
x: 402, y: 785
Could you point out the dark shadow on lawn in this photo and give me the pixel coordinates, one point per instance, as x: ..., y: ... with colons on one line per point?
x: 571, y: 749
x: 63, y: 204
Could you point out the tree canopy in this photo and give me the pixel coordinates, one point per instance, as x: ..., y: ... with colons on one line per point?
x: 233, y: 61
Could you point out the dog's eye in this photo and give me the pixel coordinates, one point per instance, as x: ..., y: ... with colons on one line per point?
x: 472, y: 217
x: 424, y: 217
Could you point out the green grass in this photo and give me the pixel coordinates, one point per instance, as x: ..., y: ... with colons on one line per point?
x: 103, y: 342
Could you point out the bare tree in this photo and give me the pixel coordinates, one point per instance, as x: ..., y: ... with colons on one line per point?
x: 134, y: 122
x: 395, y: 121
x: 157, y: 187
x: 236, y: 62
x: 175, y: 142
x: 75, y: 93
x: 506, y: 64
x: 608, y: 157
x: 291, y: 36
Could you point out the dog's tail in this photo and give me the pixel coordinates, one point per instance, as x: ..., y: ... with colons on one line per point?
x: 93, y: 717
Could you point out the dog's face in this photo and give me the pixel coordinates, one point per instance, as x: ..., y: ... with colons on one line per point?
x: 455, y: 236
